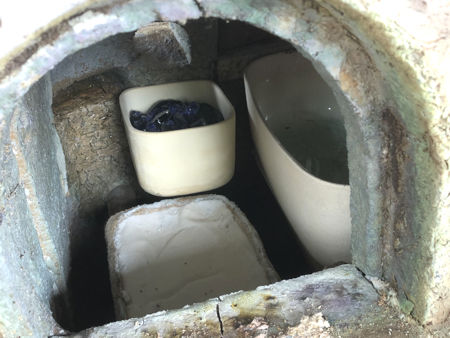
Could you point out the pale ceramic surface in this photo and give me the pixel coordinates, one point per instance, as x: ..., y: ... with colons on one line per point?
x: 184, y: 161
x: 282, y: 87
x: 180, y: 251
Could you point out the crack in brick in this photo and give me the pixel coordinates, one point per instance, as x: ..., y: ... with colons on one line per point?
x: 220, y: 319
x: 200, y: 7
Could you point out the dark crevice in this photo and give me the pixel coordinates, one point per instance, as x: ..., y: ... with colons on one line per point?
x: 200, y: 8
x: 220, y: 319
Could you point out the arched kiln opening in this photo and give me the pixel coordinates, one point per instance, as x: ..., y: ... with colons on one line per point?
x: 100, y: 173
x: 58, y: 182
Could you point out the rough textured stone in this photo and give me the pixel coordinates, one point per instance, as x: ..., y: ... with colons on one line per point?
x: 239, y: 44
x: 145, y: 70
x: 341, y: 296
x: 89, y: 123
x: 408, y: 44
x: 32, y: 253
x: 74, y: 29
x: 113, y: 52
x: 42, y: 170
x: 165, y: 42
x: 231, y: 66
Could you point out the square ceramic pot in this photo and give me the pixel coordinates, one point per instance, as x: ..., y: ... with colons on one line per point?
x: 181, y: 251
x: 185, y: 161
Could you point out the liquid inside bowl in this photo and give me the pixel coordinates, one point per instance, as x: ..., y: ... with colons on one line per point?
x: 301, y: 111
x: 318, y: 146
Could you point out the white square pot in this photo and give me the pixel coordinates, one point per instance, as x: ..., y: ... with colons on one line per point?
x: 181, y: 251
x: 182, y: 161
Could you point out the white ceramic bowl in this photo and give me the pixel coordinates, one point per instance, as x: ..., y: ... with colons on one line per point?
x: 300, y: 140
x: 180, y: 251
x: 183, y: 161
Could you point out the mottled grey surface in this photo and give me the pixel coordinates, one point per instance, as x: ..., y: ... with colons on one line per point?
x: 146, y: 69
x: 38, y: 146
x: 33, y: 233
x: 165, y: 42
x: 113, y: 52
x: 341, y: 295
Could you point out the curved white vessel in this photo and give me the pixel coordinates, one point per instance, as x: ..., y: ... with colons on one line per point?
x: 300, y: 138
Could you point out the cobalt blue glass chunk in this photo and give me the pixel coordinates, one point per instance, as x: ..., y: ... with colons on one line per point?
x: 166, y: 115
x: 180, y: 120
x: 198, y: 123
x: 191, y: 110
x: 177, y: 107
x: 168, y: 125
x: 136, y: 120
x: 152, y: 127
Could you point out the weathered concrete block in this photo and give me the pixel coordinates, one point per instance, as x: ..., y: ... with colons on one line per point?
x: 88, y: 121
x: 147, y: 70
x: 42, y: 171
x: 413, y: 237
x: 166, y: 42
x: 338, y: 301
x: 33, y: 233
x: 114, y: 52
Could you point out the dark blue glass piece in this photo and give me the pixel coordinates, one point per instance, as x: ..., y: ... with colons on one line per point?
x: 177, y: 107
x: 152, y: 127
x: 136, y: 120
x: 160, y: 106
x: 180, y: 120
x: 168, y: 115
x: 191, y: 110
x: 168, y: 125
x: 198, y: 123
